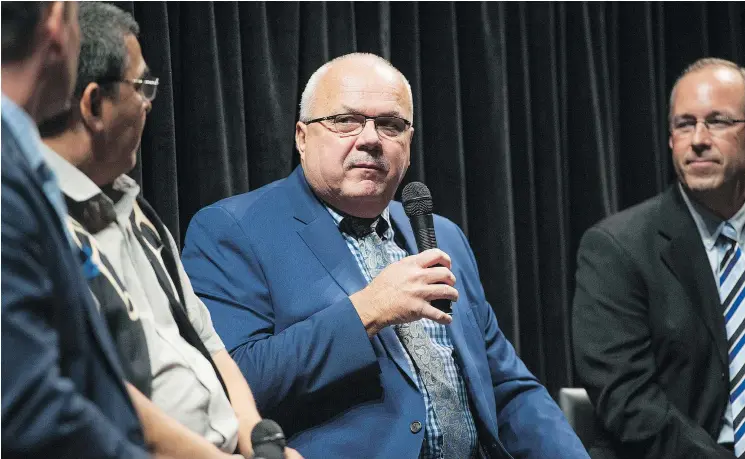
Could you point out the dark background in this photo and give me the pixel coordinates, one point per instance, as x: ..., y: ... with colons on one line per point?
x: 533, y: 120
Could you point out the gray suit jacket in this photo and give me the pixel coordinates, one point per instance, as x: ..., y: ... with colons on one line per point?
x: 649, y: 338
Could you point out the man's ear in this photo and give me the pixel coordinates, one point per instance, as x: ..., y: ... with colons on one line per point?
x: 301, y: 131
x: 91, y: 108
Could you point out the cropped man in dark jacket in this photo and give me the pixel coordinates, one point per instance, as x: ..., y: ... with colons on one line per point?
x: 63, y: 393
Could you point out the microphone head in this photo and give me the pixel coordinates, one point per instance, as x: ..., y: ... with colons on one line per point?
x: 417, y: 199
x: 268, y: 431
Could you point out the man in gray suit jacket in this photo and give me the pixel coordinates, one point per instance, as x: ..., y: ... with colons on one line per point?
x: 657, y: 320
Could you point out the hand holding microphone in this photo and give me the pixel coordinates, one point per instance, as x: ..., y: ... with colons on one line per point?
x: 403, y: 291
x: 418, y: 206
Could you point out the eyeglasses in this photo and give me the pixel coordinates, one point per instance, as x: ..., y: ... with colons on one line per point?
x: 716, y: 125
x: 348, y: 124
x: 147, y: 88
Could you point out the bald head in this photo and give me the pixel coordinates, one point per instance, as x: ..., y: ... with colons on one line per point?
x: 720, y: 70
x: 340, y: 72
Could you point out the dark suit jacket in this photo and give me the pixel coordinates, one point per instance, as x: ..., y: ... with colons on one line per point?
x: 62, y: 389
x: 649, y: 337
x: 276, y: 274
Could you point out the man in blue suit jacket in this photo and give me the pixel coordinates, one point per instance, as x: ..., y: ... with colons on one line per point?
x: 63, y: 393
x: 313, y: 331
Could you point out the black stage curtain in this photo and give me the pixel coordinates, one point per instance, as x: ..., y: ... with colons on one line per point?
x: 533, y: 120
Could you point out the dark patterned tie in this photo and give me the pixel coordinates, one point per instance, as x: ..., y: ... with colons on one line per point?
x: 449, y: 409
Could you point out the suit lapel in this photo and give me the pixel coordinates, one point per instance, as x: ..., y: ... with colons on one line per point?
x: 323, y: 238
x: 331, y: 250
x: 686, y: 257
x: 321, y: 235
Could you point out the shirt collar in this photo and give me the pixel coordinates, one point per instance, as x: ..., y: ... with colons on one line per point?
x: 709, y: 225
x: 86, y: 195
x: 738, y: 221
x: 24, y: 130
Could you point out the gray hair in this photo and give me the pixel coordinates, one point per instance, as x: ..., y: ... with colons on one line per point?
x: 309, y: 93
x: 701, y: 64
x: 103, y: 53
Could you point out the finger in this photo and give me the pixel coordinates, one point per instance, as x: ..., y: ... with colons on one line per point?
x: 438, y: 275
x: 440, y: 292
x: 432, y: 257
x: 431, y: 312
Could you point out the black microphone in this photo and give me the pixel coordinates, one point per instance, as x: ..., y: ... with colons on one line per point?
x: 268, y: 440
x: 417, y: 202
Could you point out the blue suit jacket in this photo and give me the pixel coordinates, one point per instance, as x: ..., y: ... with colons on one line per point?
x: 62, y: 389
x: 276, y: 274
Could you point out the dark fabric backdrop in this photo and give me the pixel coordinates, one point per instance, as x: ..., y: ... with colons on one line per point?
x: 533, y: 120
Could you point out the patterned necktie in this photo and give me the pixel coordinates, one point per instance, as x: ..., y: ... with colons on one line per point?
x: 449, y: 409
x: 731, y: 293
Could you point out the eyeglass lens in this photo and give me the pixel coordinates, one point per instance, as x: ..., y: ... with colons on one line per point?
x: 714, y: 124
x: 389, y: 126
x: 149, y: 90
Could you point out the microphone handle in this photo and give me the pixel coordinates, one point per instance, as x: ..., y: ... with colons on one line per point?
x: 424, y: 234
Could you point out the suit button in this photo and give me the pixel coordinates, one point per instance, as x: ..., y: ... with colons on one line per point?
x: 415, y: 427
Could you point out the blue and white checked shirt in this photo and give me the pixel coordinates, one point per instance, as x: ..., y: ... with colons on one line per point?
x: 432, y: 447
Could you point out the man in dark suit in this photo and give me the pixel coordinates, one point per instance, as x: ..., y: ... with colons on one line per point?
x: 178, y: 372
x: 657, y: 320
x: 62, y: 389
x: 310, y: 284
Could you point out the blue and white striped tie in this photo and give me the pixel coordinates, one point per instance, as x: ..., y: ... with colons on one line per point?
x: 731, y: 293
